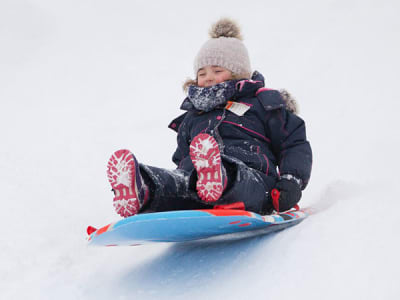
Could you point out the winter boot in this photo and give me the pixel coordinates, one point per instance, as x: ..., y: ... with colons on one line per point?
x: 206, y: 158
x: 130, y: 191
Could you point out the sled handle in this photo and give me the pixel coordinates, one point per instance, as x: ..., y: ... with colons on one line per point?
x: 90, y: 230
x: 275, y: 198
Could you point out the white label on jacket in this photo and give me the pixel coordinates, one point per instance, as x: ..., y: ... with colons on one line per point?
x: 237, y: 108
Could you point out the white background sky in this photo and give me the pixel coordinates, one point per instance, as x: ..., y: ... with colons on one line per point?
x: 80, y: 79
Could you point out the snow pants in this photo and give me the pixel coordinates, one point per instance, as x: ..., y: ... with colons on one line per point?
x: 176, y: 189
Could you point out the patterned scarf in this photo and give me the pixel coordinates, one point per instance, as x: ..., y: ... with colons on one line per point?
x: 207, y: 98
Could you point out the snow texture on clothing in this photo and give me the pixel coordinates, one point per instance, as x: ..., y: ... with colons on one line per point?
x: 176, y: 189
x: 266, y: 138
x: 208, y: 98
x: 170, y: 189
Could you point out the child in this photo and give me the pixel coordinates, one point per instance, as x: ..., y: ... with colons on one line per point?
x: 237, y: 141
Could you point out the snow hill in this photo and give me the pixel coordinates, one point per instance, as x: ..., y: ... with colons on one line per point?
x: 80, y: 79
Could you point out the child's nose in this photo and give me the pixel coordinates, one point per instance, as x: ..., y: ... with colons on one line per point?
x: 210, y: 78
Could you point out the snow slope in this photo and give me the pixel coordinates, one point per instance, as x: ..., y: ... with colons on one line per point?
x: 80, y: 79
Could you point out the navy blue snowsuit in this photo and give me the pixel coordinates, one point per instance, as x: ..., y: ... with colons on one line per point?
x: 253, y: 147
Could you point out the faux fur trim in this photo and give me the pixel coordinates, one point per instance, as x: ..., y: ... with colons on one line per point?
x: 291, y: 103
x: 188, y: 82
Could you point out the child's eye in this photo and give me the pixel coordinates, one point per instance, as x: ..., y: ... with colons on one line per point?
x: 201, y: 74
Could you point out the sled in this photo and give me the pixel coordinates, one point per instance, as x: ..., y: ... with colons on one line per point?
x: 191, y: 225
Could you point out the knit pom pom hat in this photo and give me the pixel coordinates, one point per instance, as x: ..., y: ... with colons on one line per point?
x: 224, y: 49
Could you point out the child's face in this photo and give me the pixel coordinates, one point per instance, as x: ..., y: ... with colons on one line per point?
x: 212, y: 75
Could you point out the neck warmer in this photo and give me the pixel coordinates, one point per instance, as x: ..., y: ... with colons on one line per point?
x: 207, y: 98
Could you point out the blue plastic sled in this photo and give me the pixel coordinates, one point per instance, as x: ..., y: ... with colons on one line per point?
x: 190, y: 225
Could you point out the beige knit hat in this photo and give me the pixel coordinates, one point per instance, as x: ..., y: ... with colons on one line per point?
x: 225, y: 49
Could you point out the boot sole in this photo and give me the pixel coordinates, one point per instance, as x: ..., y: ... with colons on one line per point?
x: 206, y: 158
x: 121, y: 174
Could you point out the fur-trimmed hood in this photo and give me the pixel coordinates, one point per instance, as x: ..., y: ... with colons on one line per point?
x: 291, y: 103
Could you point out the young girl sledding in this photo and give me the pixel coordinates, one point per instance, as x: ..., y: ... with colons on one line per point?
x: 237, y: 142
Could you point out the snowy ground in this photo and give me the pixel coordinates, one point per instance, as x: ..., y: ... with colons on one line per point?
x: 79, y: 79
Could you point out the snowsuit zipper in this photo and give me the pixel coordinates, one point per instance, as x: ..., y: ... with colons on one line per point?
x: 216, y: 134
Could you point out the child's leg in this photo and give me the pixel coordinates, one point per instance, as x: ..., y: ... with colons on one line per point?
x: 228, y: 181
x: 139, y: 187
x: 170, y: 190
x: 176, y: 189
x: 247, y: 185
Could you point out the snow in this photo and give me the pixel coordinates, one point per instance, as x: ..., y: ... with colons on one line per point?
x: 80, y: 79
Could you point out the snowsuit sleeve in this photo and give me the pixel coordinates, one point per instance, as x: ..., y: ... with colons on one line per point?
x: 287, y: 133
x: 181, y: 154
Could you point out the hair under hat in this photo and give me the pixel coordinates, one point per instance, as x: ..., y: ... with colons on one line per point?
x: 224, y: 49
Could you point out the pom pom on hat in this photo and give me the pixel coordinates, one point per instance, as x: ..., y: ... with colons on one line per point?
x: 226, y: 28
x: 225, y: 49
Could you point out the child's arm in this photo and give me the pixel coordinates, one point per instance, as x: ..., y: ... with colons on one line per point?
x: 287, y: 133
x: 289, y: 144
